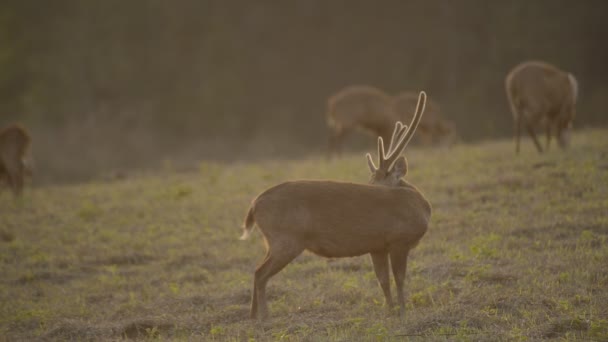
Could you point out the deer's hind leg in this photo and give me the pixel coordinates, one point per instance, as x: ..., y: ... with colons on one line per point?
x: 334, y: 141
x: 15, y: 173
x: 534, y: 138
x: 338, y: 135
x: 548, y: 130
x: 399, y: 265
x: 517, y: 133
x: 254, y: 295
x: 380, y: 262
x: 280, y: 253
x: 530, y: 129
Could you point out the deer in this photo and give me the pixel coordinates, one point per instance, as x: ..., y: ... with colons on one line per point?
x: 434, y: 129
x: 14, y: 166
x: 358, y: 107
x: 540, y: 94
x: 385, y: 218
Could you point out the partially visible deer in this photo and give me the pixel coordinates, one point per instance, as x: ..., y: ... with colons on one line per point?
x: 358, y: 107
x: 434, y: 129
x: 542, y: 95
x: 386, y: 218
x: 14, y: 146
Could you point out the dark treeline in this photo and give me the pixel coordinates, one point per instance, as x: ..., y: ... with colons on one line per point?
x: 114, y: 84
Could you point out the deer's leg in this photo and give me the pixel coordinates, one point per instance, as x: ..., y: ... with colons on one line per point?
x: 440, y: 134
x: 331, y: 144
x: 548, y: 128
x: 15, y: 177
x: 254, y: 295
x: 517, y: 133
x: 335, y: 140
x: 534, y: 138
x: 19, y: 180
x: 345, y: 132
x: 2, y: 178
x: 399, y: 265
x: 426, y: 138
x: 279, y: 255
x: 380, y: 261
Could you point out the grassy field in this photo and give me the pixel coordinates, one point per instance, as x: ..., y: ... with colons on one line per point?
x: 517, y: 249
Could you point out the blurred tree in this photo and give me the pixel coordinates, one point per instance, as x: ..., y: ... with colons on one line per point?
x: 166, y: 79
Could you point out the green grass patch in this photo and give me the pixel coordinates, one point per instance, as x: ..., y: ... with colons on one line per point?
x: 517, y: 250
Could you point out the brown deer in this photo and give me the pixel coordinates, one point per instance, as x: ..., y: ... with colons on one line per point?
x: 386, y: 218
x: 542, y: 95
x: 14, y: 146
x: 434, y: 129
x: 358, y: 107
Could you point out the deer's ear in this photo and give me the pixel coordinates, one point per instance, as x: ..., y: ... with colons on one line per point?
x: 400, y: 167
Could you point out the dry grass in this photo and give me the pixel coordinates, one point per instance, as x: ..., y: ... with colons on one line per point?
x: 516, y: 250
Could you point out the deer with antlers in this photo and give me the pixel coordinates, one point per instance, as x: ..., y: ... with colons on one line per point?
x: 434, y: 129
x: 386, y: 219
x: 542, y: 95
x: 358, y: 107
x: 14, y: 146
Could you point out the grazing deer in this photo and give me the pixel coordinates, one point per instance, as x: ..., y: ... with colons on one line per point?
x: 358, y: 107
x: 386, y: 218
x: 433, y: 129
x: 14, y: 145
x: 542, y: 95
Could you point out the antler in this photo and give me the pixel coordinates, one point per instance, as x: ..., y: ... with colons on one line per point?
x: 402, y: 134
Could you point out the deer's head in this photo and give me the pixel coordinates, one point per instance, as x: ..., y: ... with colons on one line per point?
x: 392, y: 166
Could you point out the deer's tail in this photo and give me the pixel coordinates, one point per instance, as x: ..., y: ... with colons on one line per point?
x: 248, y: 224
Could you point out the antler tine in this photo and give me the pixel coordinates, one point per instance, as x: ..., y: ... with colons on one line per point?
x: 404, y: 140
x: 370, y: 162
x: 381, y: 153
x: 396, y: 134
x: 396, y: 138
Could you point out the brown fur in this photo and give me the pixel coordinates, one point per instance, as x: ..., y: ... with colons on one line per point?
x: 14, y: 146
x: 434, y: 129
x: 542, y: 95
x: 386, y: 219
x: 358, y: 107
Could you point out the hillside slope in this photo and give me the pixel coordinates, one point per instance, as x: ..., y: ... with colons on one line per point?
x: 517, y: 248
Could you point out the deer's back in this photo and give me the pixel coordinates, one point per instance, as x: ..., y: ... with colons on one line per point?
x: 404, y: 107
x: 359, y: 104
x: 539, y: 87
x: 337, y: 219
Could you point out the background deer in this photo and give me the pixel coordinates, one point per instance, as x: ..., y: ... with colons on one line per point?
x: 14, y: 146
x: 434, y: 129
x: 542, y: 95
x: 358, y: 107
x: 386, y: 218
